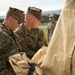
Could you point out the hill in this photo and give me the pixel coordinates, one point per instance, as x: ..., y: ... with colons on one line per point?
x: 51, y: 12
x: 2, y: 17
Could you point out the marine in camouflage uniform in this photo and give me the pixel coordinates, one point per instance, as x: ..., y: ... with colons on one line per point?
x: 8, y: 46
x: 34, y: 39
x: 51, y: 27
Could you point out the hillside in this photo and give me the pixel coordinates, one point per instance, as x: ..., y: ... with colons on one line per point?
x: 2, y: 17
x: 51, y: 12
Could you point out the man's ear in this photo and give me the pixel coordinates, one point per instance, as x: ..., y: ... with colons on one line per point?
x: 31, y: 19
x: 11, y: 18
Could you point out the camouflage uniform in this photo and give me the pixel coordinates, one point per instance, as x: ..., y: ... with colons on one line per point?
x: 7, y: 48
x: 9, y: 44
x: 33, y: 39
x: 51, y: 27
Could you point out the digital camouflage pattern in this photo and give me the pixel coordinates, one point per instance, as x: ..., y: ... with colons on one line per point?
x: 36, y: 12
x: 51, y: 27
x: 7, y: 48
x: 17, y: 14
x: 34, y: 39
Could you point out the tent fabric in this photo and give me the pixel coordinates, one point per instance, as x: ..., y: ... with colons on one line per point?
x: 19, y: 63
x: 60, y: 55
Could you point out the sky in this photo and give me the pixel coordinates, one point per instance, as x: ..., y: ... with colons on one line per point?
x: 45, y: 5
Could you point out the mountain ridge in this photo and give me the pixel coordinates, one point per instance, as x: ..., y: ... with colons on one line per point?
x: 52, y: 12
x: 2, y: 17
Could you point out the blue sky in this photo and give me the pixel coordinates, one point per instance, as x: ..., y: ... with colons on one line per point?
x: 45, y: 5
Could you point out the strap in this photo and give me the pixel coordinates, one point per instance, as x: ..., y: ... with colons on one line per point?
x: 31, y: 69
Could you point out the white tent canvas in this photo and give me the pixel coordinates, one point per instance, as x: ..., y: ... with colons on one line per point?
x: 60, y: 56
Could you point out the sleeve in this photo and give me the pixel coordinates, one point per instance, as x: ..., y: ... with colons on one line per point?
x: 7, y: 48
x: 23, y: 44
x: 52, y: 30
x: 41, y: 39
x: 19, y: 32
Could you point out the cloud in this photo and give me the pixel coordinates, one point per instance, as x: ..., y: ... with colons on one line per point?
x: 24, y: 4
